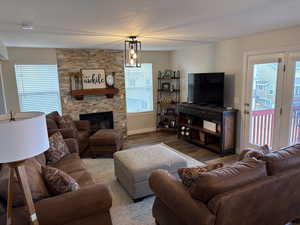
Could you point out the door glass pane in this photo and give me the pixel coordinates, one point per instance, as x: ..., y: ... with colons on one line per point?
x: 295, y: 121
x: 263, y: 103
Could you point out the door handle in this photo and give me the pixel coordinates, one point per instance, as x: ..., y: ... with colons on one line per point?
x: 246, y: 112
x: 247, y: 104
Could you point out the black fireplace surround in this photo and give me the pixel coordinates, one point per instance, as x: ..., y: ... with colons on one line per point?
x: 100, y: 120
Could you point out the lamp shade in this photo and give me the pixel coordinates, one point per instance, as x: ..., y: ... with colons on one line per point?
x: 23, y: 138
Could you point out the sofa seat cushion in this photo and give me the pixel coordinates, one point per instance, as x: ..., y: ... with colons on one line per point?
x: 283, y: 159
x: 35, y: 180
x: 70, y: 163
x: 58, y: 181
x: 214, y: 182
x: 83, y: 178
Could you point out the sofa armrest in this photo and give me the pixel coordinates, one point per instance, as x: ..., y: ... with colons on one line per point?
x: 66, y: 132
x: 72, y: 145
x: 83, y: 124
x: 176, y: 197
x: 75, y: 205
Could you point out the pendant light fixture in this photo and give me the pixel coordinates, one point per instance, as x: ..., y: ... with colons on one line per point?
x: 133, y: 49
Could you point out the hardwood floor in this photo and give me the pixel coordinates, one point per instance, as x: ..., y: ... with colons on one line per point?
x: 171, y: 139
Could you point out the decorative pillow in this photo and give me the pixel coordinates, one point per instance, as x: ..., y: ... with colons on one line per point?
x: 67, y: 122
x: 189, y: 175
x: 58, y: 148
x: 58, y: 182
x: 35, y: 180
x: 214, y: 182
x: 254, y: 153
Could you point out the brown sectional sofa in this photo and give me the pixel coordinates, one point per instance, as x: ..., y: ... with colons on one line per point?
x: 271, y: 198
x: 88, y: 206
x: 83, y: 127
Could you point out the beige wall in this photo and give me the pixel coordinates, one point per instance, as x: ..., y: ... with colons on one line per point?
x: 145, y: 122
x: 22, y: 56
x: 199, y: 59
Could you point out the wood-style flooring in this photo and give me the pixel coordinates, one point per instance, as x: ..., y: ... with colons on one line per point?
x: 171, y: 139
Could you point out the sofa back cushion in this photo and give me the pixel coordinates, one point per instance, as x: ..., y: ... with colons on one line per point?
x: 283, y: 159
x: 214, y: 182
x: 35, y: 180
x: 51, y: 124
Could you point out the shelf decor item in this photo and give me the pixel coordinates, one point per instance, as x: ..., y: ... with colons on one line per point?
x: 110, y: 80
x: 165, y: 86
x: 23, y: 136
x: 132, y: 52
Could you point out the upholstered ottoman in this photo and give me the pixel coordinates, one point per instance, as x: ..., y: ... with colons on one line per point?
x: 134, y: 166
x: 105, y: 141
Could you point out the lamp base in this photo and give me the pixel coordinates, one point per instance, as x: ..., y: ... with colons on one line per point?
x: 19, y: 169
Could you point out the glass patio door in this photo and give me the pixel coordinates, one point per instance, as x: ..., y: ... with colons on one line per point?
x: 263, y: 100
x: 292, y: 97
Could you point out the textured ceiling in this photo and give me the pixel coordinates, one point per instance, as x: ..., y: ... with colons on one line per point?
x: 160, y: 24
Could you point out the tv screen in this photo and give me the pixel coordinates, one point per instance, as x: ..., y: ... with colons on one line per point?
x: 206, y: 88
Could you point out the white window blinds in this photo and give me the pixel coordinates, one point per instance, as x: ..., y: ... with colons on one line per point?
x: 38, y: 88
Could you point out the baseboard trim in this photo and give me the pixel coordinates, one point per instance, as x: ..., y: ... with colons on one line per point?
x: 141, y: 131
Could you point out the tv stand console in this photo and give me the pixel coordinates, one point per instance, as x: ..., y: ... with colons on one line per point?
x: 213, y: 128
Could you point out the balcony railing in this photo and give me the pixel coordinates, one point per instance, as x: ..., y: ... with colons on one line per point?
x: 262, y: 126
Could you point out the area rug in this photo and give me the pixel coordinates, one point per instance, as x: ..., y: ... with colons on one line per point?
x: 124, y: 211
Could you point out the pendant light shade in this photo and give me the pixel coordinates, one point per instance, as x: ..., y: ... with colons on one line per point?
x: 132, y: 54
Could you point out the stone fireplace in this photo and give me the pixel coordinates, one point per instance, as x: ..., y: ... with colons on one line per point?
x: 101, y: 120
x: 73, y: 60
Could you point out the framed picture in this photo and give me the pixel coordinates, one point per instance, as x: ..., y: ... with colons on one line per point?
x: 93, y: 78
x: 165, y: 86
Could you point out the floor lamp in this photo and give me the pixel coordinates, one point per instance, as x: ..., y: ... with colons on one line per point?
x: 22, y: 136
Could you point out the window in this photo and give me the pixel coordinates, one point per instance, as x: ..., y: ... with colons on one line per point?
x: 38, y: 88
x: 139, y: 88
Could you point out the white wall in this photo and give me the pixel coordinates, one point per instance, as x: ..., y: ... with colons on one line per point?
x: 146, y: 122
x: 198, y: 59
x: 22, y: 56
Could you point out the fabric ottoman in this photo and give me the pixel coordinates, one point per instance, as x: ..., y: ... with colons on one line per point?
x: 134, y: 166
x: 105, y: 141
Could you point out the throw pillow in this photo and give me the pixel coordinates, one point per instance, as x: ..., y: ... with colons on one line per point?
x: 35, y: 180
x: 58, y: 182
x: 254, y: 153
x: 189, y: 175
x: 58, y: 148
x: 67, y: 122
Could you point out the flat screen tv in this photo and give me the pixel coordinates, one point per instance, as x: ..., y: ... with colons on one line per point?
x: 206, y: 89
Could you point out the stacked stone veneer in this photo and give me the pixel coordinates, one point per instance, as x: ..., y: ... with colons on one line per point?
x: 72, y: 60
